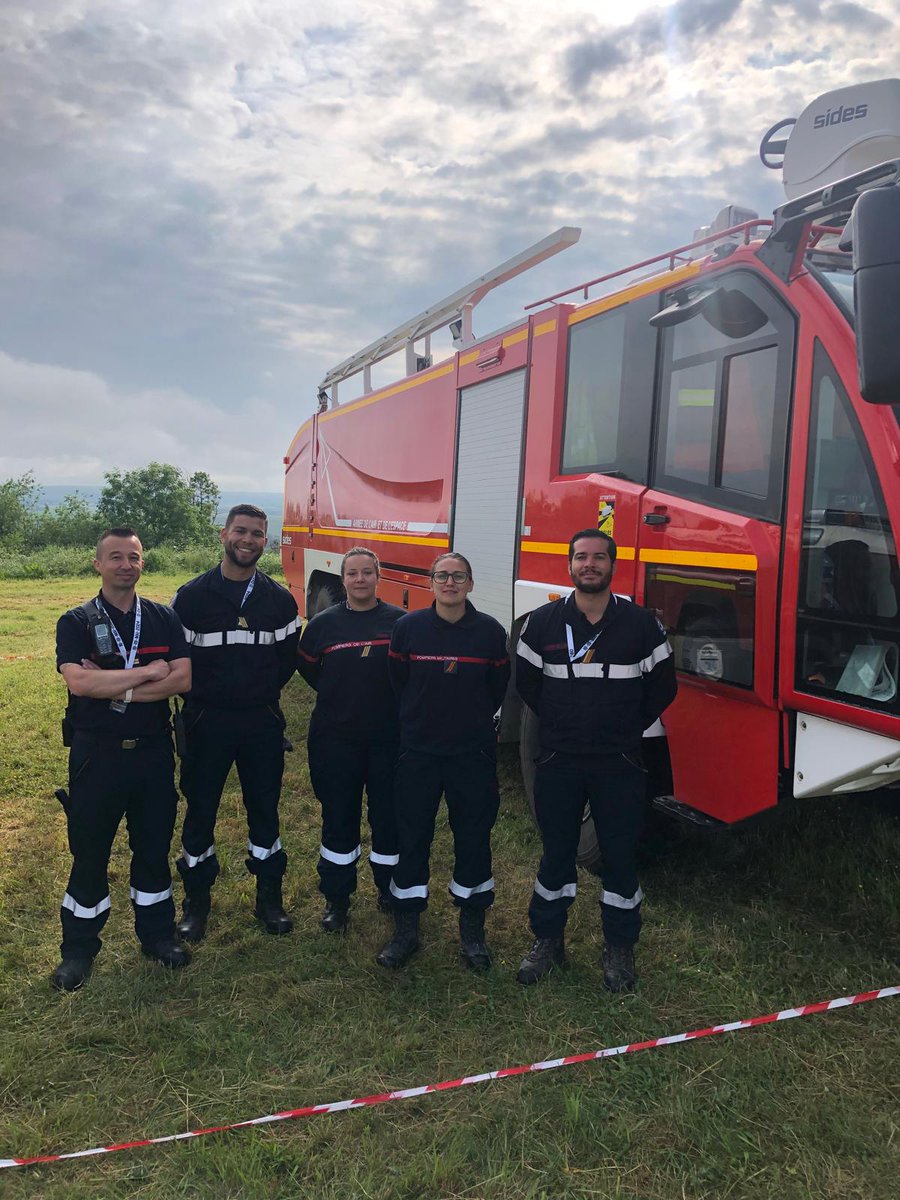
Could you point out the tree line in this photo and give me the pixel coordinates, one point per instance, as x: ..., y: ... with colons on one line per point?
x: 167, y: 506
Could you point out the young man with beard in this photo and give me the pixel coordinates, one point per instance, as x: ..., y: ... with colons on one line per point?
x: 353, y: 734
x: 449, y: 666
x: 242, y: 629
x: 598, y: 670
x: 121, y: 657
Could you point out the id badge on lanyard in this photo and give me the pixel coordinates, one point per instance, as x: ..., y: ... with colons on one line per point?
x: 242, y: 620
x: 577, y: 656
x: 120, y: 706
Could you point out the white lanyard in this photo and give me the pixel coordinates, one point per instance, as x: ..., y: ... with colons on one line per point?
x: 135, y: 641
x: 577, y: 656
x: 250, y: 587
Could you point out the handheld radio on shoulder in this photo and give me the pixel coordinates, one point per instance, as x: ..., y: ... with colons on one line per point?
x: 101, y: 635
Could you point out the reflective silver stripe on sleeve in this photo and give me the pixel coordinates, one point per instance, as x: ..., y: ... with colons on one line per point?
x: 189, y: 634
x: 526, y: 652
x: 660, y: 654
x: 568, y: 889
x: 556, y: 670
x: 80, y: 910
x: 383, y: 860
x: 657, y: 729
x: 617, y: 901
x: 191, y: 860
x: 261, y: 851
x: 340, y: 860
x: 146, y: 898
x: 287, y: 630
x: 457, y: 889
x: 419, y: 892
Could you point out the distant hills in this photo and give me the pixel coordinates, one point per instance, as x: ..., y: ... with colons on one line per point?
x: 271, y: 502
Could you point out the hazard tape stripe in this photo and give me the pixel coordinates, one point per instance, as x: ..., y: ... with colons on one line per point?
x: 312, y: 1110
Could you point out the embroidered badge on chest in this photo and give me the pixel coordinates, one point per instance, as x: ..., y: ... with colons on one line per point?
x: 242, y: 623
x: 365, y: 651
x: 450, y: 666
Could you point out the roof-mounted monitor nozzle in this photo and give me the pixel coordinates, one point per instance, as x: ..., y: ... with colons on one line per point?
x: 839, y: 134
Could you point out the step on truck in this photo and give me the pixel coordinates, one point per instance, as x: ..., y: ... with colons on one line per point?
x: 728, y: 410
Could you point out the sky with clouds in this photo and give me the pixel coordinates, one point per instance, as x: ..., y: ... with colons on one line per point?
x: 204, y: 207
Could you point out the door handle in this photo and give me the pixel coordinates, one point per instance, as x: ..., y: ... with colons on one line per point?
x: 656, y: 519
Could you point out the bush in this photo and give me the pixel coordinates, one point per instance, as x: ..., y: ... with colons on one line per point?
x: 54, y: 562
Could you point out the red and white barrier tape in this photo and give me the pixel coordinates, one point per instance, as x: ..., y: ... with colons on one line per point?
x: 312, y: 1110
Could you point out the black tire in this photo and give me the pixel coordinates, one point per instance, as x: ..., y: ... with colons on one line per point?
x: 529, y: 743
x: 324, y: 593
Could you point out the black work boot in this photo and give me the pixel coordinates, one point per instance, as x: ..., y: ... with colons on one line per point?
x: 544, y: 955
x: 335, y: 916
x: 618, y: 967
x: 194, y: 915
x: 168, y: 952
x: 403, y: 944
x: 270, y: 908
x: 471, y: 939
x: 71, y: 974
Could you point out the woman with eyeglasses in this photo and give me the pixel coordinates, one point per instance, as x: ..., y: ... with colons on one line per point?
x: 449, y: 666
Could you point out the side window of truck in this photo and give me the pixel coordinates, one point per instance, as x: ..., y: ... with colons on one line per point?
x: 725, y: 389
x: 609, y: 391
x: 848, y: 641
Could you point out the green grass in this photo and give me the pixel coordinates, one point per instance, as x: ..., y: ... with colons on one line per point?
x: 804, y: 907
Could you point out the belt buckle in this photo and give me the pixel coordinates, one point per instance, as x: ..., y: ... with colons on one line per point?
x: 129, y: 744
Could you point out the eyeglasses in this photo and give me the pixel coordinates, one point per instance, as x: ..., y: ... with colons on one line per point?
x: 443, y: 576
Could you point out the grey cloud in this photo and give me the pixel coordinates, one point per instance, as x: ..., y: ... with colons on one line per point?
x: 586, y: 59
x: 857, y: 17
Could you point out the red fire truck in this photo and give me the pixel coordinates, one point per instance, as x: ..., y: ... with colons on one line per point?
x: 728, y: 410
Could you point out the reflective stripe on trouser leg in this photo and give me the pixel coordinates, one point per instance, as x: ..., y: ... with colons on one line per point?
x: 208, y: 758
x: 336, y: 771
x: 381, y: 762
x: 559, y: 799
x: 417, y: 793
x: 473, y: 799
x: 617, y: 806
x: 260, y: 766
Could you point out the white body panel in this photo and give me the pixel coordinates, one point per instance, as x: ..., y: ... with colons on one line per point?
x: 486, y: 505
x: 831, y: 758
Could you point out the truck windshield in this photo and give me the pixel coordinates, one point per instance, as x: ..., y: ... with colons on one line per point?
x: 840, y: 283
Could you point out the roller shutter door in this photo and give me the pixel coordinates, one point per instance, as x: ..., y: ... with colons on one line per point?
x: 486, y: 505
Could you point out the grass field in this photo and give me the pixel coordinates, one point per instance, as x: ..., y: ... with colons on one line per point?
x: 802, y: 908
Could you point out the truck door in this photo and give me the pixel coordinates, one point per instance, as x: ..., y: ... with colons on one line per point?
x: 710, y: 538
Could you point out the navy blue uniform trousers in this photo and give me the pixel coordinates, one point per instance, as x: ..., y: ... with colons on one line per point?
x: 340, y: 770
x: 614, y: 786
x: 107, y: 782
x: 469, y: 783
x: 251, y: 739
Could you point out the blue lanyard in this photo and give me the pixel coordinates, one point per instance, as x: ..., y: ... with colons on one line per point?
x: 135, y: 641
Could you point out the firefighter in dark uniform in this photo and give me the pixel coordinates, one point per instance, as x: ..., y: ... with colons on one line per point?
x: 353, y: 734
x: 121, y: 658
x: 450, y: 668
x: 242, y: 629
x: 598, y: 671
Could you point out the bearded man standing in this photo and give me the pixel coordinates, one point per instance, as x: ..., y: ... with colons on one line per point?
x: 242, y: 629
x: 598, y: 670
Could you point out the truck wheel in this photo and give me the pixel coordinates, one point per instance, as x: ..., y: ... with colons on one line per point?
x: 588, y: 850
x: 324, y: 593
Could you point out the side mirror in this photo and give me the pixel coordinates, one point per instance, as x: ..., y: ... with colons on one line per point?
x: 876, y: 288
